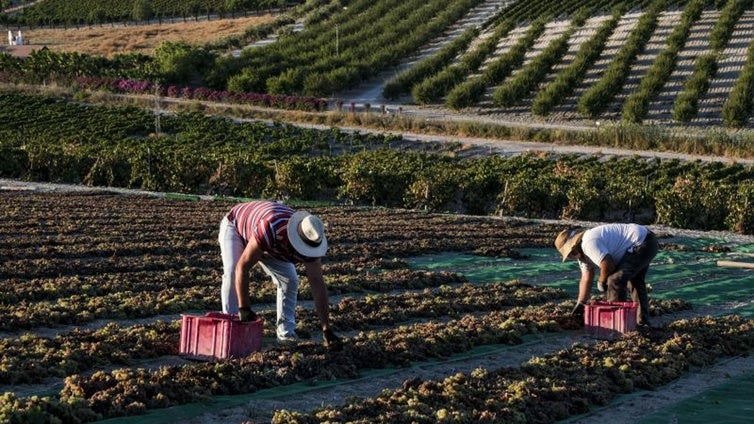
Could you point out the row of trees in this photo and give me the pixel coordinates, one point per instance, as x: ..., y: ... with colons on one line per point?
x: 566, y: 81
x: 99, y: 12
x: 637, y: 105
x: 340, y: 53
x: 199, y: 154
x: 705, y: 67
x: 534, y: 72
x: 596, y: 98
x: 503, y: 76
x: 471, y: 90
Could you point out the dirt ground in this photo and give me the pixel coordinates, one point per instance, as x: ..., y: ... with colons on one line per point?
x: 107, y: 40
x: 629, y: 410
x: 623, y: 411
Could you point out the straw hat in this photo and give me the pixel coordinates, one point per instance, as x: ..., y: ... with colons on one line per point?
x: 306, y: 232
x: 567, y: 240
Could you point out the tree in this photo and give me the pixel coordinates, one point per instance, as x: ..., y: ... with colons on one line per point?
x: 179, y: 63
x: 97, y: 16
x: 143, y: 10
x: 193, y: 8
x: 232, y: 6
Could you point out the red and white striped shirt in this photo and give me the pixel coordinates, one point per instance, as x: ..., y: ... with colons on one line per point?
x: 267, y: 222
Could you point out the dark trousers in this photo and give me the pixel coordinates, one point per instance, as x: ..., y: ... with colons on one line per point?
x: 630, y: 274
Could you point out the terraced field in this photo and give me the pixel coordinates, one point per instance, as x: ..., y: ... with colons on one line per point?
x: 730, y: 59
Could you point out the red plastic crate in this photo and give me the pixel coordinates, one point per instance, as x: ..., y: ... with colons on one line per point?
x: 609, y: 320
x: 219, y: 336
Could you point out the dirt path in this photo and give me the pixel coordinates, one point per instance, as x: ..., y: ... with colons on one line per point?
x: 480, y: 146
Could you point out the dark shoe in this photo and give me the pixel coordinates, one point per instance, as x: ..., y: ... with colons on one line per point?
x: 644, y: 325
x: 245, y: 314
x: 332, y: 341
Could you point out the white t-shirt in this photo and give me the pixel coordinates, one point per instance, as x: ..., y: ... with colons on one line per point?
x: 610, y: 239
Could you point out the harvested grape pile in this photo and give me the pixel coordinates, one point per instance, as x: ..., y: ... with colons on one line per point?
x: 93, y: 283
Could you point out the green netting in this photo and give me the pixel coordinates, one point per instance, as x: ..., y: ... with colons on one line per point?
x: 744, y: 248
x: 189, y: 411
x: 186, y: 412
x: 726, y: 403
x: 181, y: 196
x: 539, y: 264
x: 692, y: 274
x: 730, y: 402
x: 713, y: 290
x: 746, y: 311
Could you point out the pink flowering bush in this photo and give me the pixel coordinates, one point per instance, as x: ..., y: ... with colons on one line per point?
x: 130, y: 86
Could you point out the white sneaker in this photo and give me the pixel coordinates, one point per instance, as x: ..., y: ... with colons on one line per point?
x: 290, y: 339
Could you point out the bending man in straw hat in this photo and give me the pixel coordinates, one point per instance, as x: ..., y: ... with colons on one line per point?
x: 276, y: 237
x: 621, y: 253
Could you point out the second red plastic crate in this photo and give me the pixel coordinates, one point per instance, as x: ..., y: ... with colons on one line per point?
x: 609, y: 320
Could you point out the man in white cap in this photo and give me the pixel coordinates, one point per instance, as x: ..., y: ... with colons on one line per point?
x: 622, y: 254
x: 275, y: 236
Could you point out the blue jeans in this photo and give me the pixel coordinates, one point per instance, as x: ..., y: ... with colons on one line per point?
x: 283, y: 275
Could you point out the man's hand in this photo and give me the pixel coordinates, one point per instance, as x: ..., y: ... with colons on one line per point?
x: 332, y: 341
x: 578, y: 309
x: 245, y: 314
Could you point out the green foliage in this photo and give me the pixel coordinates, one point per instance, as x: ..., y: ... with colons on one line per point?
x: 629, y: 196
x: 435, y: 189
x: 723, y: 29
x: 242, y: 175
x: 567, y: 79
x: 379, y: 177
x: 737, y: 109
x: 143, y: 10
x: 586, y: 196
x: 329, y: 82
x: 305, y: 178
x: 116, y: 146
x: 481, y: 182
x: 466, y: 94
x: 741, y: 211
x: 286, y: 82
x: 693, y: 202
x: 246, y: 81
x: 44, y: 65
x: 13, y: 162
x: 180, y: 63
x: 471, y: 91
x: 403, y: 82
x: 499, y: 69
x: 686, y: 104
x: 434, y: 88
x: 528, y: 78
x: 532, y: 193
x: 594, y: 100
x: 77, y: 12
x: 367, y: 37
x: 637, y: 104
